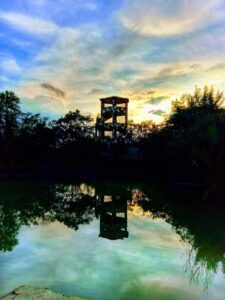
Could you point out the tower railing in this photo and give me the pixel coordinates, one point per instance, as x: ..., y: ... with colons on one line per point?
x: 112, y: 108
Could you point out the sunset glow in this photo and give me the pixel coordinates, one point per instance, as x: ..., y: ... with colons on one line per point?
x: 65, y: 56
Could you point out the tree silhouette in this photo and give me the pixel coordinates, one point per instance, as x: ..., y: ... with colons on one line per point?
x: 141, y: 130
x: 9, y: 112
x: 72, y: 128
x: 35, y: 137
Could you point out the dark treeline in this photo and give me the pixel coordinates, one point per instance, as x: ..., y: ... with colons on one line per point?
x: 28, y: 139
x: 189, y: 148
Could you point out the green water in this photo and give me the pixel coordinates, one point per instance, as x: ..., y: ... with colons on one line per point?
x: 109, y: 241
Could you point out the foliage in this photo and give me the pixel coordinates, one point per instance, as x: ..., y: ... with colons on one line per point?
x: 206, y: 98
x: 35, y: 136
x: 73, y: 128
x: 27, y: 138
x: 141, y: 130
x: 197, y: 132
x: 9, y: 112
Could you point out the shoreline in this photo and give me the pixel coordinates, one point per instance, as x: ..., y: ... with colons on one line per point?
x: 29, y: 292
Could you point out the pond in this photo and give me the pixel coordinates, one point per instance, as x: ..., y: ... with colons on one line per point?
x: 109, y: 241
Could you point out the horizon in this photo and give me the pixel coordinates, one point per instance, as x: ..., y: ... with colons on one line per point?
x: 59, y: 58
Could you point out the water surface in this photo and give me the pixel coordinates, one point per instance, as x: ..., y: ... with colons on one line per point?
x: 102, y: 241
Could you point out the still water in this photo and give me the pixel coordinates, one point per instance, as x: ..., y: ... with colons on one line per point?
x: 109, y: 241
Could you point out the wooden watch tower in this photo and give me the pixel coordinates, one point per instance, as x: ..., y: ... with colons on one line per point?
x: 114, y: 117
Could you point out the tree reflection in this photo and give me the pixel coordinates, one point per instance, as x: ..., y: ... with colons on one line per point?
x: 71, y: 206
x: 198, y: 223
x: 20, y: 204
x: 9, y: 228
x: 27, y: 203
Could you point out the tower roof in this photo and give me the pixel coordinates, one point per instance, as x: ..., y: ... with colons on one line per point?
x: 118, y: 100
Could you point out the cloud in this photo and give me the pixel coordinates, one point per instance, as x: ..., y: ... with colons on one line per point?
x: 9, y: 65
x: 167, y: 76
x: 59, y: 93
x: 176, y: 71
x: 168, y: 72
x: 157, y: 112
x: 142, y: 94
x: 21, y: 43
x: 157, y: 18
x: 37, y: 3
x: 96, y: 91
x: 4, y: 79
x: 153, y: 97
x: 195, y: 67
x: 29, y: 24
x: 157, y: 100
x: 47, y: 106
x: 62, y: 4
x: 159, y: 286
x: 87, y: 59
x: 85, y: 5
x: 217, y: 67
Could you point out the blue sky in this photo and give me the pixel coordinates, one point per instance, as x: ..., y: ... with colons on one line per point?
x: 66, y: 54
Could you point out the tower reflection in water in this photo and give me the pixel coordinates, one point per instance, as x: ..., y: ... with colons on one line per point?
x: 111, y: 210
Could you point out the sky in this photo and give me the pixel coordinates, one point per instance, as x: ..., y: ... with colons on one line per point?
x: 58, y: 56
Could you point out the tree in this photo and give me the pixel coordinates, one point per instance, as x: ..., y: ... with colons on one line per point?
x: 73, y: 128
x: 206, y: 98
x: 9, y: 112
x: 190, y: 107
x: 141, y: 130
x: 197, y: 134
x: 35, y: 137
